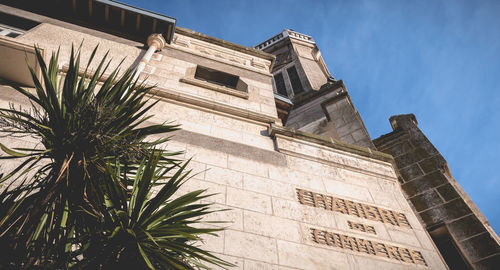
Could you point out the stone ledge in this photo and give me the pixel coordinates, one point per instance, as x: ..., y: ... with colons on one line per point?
x: 159, y: 92
x: 190, y: 99
x: 329, y: 142
x: 214, y: 87
x: 305, y: 97
x: 391, y: 138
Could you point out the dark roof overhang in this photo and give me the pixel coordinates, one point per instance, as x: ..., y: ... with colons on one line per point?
x: 104, y: 15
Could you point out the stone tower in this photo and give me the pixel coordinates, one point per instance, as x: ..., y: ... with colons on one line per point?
x: 310, y: 99
x: 319, y: 104
x: 270, y: 133
x: 298, y: 67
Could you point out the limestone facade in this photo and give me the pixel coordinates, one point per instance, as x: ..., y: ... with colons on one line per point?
x: 296, y: 200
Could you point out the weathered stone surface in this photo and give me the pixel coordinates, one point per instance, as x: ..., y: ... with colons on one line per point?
x: 411, y: 172
x: 448, y: 192
x: 309, y: 257
x: 480, y: 246
x: 271, y: 226
x: 255, y: 265
x: 424, y: 239
x: 295, y: 211
x: 297, y: 178
x: 362, y: 263
x: 231, y: 218
x: 248, y: 166
x: 426, y: 200
x: 424, y: 183
x: 433, y: 192
x: 488, y: 263
x: 218, y: 191
x: 406, y: 237
x: 268, y: 186
x: 433, y: 163
x: 405, y: 160
x: 448, y: 211
x: 224, y: 176
x: 250, y: 246
x: 385, y: 199
x: 401, y: 148
x: 347, y: 190
x: 238, y: 262
x: 249, y: 200
x: 342, y: 224
x: 207, y: 156
x: 465, y: 227
x: 360, y: 179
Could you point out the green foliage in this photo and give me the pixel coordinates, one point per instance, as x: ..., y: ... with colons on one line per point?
x: 95, y: 193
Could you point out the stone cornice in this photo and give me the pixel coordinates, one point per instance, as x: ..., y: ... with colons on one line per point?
x: 329, y: 142
x: 311, y: 95
x: 159, y: 92
x: 226, y: 44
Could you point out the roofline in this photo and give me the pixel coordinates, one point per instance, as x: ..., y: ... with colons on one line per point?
x: 95, y: 14
x: 286, y: 33
x: 137, y: 10
x: 224, y: 43
x: 144, y: 12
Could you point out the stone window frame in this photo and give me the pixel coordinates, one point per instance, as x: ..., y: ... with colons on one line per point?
x: 295, y: 81
x: 9, y: 31
x: 278, y: 74
x: 241, y: 89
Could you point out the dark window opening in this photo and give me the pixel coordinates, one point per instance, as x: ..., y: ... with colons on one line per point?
x: 448, y: 249
x: 13, y: 26
x: 217, y: 77
x: 17, y: 22
x: 295, y: 81
x: 280, y: 84
x: 13, y: 35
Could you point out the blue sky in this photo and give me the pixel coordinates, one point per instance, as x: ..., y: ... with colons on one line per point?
x: 437, y: 59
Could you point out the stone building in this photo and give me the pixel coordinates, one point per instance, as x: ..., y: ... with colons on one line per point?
x: 277, y: 138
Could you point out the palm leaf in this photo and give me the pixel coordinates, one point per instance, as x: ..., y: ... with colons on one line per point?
x: 92, y: 203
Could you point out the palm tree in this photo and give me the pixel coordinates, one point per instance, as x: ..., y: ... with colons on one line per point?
x: 95, y: 193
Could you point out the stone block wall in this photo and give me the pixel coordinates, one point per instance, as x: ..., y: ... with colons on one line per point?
x: 296, y: 202
x: 269, y: 226
x: 435, y: 195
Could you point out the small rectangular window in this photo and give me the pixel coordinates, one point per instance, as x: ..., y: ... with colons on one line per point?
x: 217, y: 77
x: 13, y: 26
x: 280, y: 84
x: 295, y: 80
x: 11, y: 34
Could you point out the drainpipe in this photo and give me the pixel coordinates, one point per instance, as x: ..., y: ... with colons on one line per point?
x: 155, y: 42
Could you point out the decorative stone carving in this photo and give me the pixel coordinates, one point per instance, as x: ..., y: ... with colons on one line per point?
x: 348, y: 207
x: 229, y: 56
x: 361, y: 227
x: 157, y: 41
x: 367, y: 246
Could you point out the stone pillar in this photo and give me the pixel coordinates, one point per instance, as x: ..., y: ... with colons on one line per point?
x: 435, y: 195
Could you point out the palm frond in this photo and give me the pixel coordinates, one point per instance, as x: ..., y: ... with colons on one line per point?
x: 86, y: 199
